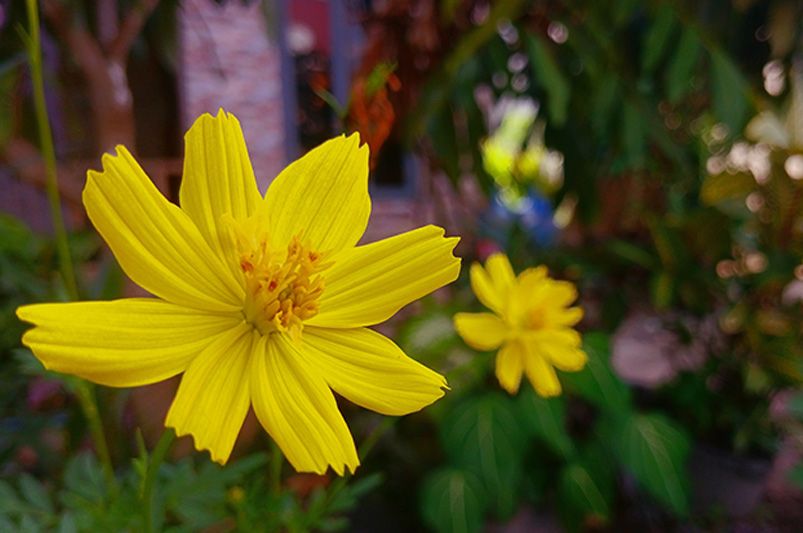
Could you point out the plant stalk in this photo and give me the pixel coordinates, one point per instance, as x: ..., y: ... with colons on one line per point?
x: 85, y: 391
x: 154, y: 462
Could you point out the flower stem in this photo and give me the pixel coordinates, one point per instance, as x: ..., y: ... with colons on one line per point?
x: 154, y: 462
x: 275, y: 468
x: 85, y: 391
x: 89, y: 405
x: 34, y: 48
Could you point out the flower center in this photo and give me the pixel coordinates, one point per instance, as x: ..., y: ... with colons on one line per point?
x: 535, y: 320
x: 282, y: 286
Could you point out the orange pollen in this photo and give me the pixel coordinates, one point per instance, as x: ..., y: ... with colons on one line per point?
x: 282, y: 289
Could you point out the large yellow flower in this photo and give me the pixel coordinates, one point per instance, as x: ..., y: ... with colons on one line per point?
x: 260, y: 302
x: 531, y: 321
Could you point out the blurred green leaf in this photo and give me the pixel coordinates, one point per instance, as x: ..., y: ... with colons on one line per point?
x: 669, y: 244
x: 603, y: 102
x: 634, y: 136
x: 35, y: 494
x: 427, y: 334
x: 83, y: 477
x: 633, y: 253
x: 795, y: 475
x: 550, y: 77
x: 681, y: 69
x: 545, y: 418
x: 583, y: 498
x: 655, y: 451
x: 67, y: 524
x: 719, y: 189
x: 596, y: 382
x: 452, y: 501
x: 485, y: 436
x: 9, y: 502
x: 730, y: 92
x: 658, y: 37
x: 662, y: 289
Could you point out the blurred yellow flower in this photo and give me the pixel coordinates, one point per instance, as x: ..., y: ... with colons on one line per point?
x: 531, y: 321
x: 261, y: 302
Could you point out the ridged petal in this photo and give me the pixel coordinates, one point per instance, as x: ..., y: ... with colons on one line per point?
x: 510, y: 366
x: 214, y: 394
x: 295, y: 405
x: 122, y: 343
x: 218, y: 178
x: 156, y: 243
x: 368, y: 284
x: 481, y: 331
x: 322, y: 197
x: 369, y: 369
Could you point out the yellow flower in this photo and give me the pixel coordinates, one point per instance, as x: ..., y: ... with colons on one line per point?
x: 531, y: 321
x: 260, y: 302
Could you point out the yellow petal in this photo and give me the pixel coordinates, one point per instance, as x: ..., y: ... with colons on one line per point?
x: 322, y: 197
x: 543, y: 377
x: 560, y: 293
x: 564, y: 317
x: 370, y: 370
x: 218, y: 178
x: 484, y: 289
x: 510, y: 366
x: 531, y: 278
x: 214, y: 394
x: 556, y: 337
x: 294, y: 404
x: 561, y: 348
x: 482, y: 331
x: 368, y: 284
x: 566, y: 358
x: 156, y: 243
x: 123, y: 343
x: 500, y: 271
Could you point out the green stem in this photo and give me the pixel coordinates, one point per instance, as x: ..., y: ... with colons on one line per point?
x: 275, y: 468
x: 154, y: 462
x: 89, y: 405
x: 85, y: 391
x: 34, y: 46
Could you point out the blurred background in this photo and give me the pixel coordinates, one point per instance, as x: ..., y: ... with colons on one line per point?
x: 649, y: 152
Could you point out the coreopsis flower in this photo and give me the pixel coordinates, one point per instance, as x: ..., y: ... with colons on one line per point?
x: 531, y: 322
x: 261, y: 302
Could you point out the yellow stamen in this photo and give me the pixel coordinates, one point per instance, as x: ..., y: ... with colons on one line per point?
x: 282, y: 287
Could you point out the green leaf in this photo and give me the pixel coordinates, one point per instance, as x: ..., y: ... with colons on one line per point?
x: 84, y: 477
x: 584, y: 498
x: 724, y: 190
x: 67, y: 524
x: 603, y: 102
x: 35, y: 494
x: 662, y: 288
x: 452, y: 501
x: 657, y: 39
x: 796, y: 476
x: 730, y: 92
x: 485, y: 437
x: 682, y: 66
x: 596, y: 382
x: 654, y: 450
x: 545, y: 418
x: 550, y: 77
x: 9, y: 502
x: 634, y: 136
